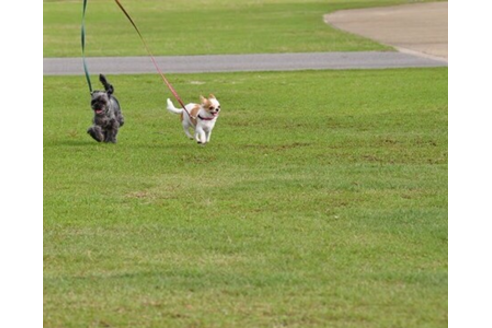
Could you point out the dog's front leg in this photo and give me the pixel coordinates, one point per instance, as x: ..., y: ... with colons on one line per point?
x: 110, y: 135
x: 200, y: 136
x: 208, y: 134
x: 96, y: 132
x: 112, y: 132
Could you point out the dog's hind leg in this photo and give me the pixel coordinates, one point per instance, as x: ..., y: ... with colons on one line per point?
x: 96, y: 133
x: 186, y: 128
x: 121, y: 120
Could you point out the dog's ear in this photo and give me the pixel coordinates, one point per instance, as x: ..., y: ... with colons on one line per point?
x: 211, y: 96
x: 203, y: 100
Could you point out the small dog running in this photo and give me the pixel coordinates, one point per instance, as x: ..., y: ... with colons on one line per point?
x: 203, y: 117
x: 107, y: 114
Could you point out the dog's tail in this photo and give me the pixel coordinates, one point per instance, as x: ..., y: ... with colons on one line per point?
x: 107, y: 86
x: 172, y: 109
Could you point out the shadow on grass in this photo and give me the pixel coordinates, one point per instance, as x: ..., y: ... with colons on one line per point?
x: 125, y: 144
x: 73, y: 143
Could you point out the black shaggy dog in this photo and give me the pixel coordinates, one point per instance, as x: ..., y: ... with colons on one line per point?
x: 107, y: 114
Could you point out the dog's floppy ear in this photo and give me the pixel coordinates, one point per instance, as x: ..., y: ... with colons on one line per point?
x: 211, y: 96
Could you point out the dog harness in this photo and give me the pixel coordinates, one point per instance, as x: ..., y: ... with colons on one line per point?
x: 206, y: 118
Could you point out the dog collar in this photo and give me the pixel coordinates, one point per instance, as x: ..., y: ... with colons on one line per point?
x: 206, y: 118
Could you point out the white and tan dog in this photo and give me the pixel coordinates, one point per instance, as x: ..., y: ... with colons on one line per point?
x: 202, y: 120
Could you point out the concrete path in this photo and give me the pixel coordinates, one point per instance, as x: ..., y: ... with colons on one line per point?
x: 236, y: 63
x: 420, y: 28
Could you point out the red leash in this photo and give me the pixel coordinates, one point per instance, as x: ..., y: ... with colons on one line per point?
x: 173, y: 91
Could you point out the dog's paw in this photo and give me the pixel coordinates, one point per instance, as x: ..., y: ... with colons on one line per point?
x: 96, y: 134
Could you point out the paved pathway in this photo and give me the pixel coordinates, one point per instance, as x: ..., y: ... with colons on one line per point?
x: 420, y: 28
x: 229, y: 63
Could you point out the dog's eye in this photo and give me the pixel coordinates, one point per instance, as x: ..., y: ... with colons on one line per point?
x: 211, y: 108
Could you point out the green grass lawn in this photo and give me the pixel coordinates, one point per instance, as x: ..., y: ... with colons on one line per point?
x: 192, y: 27
x: 321, y: 201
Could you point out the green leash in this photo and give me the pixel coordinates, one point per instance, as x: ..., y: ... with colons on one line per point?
x: 82, y: 38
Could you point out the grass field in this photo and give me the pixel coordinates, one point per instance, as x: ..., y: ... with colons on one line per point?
x: 321, y: 201
x: 193, y: 27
